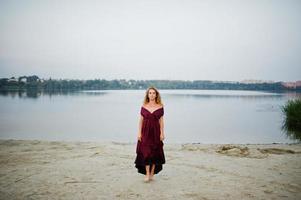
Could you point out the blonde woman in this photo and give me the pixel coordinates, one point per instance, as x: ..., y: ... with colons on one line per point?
x: 149, y: 150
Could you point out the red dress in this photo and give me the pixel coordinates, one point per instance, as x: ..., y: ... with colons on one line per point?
x: 150, y: 149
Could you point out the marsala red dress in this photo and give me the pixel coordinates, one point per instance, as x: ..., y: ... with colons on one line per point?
x: 150, y: 149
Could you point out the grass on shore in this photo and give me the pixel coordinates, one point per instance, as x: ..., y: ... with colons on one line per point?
x: 292, y: 122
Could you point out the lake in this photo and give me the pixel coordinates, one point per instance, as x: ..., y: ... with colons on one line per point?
x: 197, y: 116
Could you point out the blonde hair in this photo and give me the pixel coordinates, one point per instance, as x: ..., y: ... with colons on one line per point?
x: 158, y: 96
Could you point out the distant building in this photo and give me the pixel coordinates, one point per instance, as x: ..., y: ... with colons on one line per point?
x: 23, y: 79
x: 12, y: 79
x: 215, y: 81
x: 256, y: 81
x: 292, y: 85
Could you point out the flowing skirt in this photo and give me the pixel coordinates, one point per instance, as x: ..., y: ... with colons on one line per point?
x: 148, y: 154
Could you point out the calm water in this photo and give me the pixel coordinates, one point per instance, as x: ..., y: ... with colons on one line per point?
x: 205, y: 116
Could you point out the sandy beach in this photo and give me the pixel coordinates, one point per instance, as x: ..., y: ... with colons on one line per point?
x: 32, y: 169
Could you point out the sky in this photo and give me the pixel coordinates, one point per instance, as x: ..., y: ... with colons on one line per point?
x: 222, y: 40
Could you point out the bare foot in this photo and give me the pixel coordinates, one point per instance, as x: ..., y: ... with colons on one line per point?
x: 151, y: 177
x: 146, y: 178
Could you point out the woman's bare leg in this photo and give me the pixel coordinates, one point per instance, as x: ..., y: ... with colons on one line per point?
x: 147, y: 173
x: 152, y: 172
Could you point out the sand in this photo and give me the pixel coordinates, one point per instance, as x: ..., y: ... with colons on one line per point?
x: 32, y: 169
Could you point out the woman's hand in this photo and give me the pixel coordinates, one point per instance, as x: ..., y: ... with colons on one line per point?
x: 162, y: 137
x: 139, y: 137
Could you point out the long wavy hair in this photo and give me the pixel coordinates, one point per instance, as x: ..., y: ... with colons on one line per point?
x: 158, y: 96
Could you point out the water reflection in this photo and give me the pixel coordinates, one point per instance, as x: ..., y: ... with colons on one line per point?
x: 38, y: 93
x: 241, y: 94
x: 226, y: 96
x: 259, y: 95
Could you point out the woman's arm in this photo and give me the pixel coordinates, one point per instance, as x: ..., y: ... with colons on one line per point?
x: 140, y: 127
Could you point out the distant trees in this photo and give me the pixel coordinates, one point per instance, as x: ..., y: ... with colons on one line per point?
x: 34, y: 82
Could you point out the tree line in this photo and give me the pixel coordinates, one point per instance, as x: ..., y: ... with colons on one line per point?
x: 34, y: 82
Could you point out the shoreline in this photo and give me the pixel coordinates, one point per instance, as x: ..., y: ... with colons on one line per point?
x: 170, y: 143
x: 51, y: 169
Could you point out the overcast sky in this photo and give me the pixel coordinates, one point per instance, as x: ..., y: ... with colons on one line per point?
x: 150, y: 39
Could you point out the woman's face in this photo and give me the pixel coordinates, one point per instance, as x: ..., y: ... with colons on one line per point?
x: 151, y: 94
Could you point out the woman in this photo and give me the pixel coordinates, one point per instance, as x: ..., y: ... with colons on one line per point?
x: 149, y: 150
